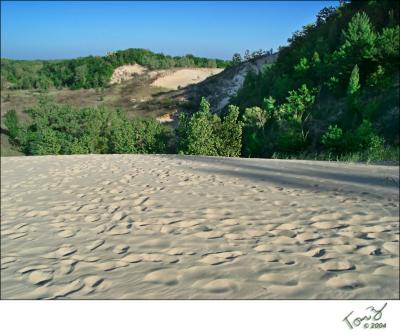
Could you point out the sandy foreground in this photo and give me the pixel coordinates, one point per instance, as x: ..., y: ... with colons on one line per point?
x: 176, y: 227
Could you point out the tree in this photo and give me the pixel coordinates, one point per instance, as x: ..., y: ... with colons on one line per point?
x: 236, y: 59
x: 388, y: 43
x: 247, y: 55
x: 254, y: 121
x: 45, y: 142
x: 358, y: 40
x: 201, y: 139
x: 354, y: 82
x: 11, y: 122
x: 333, y: 139
x: 230, y: 134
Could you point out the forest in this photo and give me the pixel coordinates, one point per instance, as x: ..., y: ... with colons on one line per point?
x: 91, y: 71
x: 334, y: 88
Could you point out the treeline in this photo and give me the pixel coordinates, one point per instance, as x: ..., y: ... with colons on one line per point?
x: 91, y: 71
x: 237, y: 57
x: 60, y: 129
x: 65, y: 130
x: 333, y: 89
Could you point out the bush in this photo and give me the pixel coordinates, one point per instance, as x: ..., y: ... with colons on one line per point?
x: 11, y: 122
x: 197, y: 134
x: 204, y: 134
x: 333, y: 139
x: 290, y: 138
x: 45, y: 142
x: 230, y: 134
x: 57, y: 129
x: 254, y: 140
x: 360, y: 139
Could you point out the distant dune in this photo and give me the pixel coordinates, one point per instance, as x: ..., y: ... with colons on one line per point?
x: 168, y: 227
x: 179, y: 78
x: 172, y: 78
x: 126, y: 72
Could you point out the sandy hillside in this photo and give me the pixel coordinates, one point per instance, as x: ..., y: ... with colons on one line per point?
x: 126, y: 72
x: 173, y: 79
x: 133, y: 226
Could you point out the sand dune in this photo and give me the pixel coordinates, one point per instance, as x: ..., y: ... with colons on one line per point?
x: 173, y: 79
x: 126, y: 72
x: 133, y: 226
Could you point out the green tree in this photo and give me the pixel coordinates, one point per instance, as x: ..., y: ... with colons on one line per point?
x: 45, y: 142
x: 354, y: 82
x: 230, y: 134
x: 201, y: 138
x: 333, y: 139
x: 388, y: 43
x: 254, y: 121
x: 11, y: 122
x: 359, y: 39
x: 236, y: 59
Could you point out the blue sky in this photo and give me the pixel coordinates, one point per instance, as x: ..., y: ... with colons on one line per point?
x: 62, y: 29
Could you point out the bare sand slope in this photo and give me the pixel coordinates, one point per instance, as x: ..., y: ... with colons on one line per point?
x: 133, y: 226
x: 179, y: 78
x: 126, y: 72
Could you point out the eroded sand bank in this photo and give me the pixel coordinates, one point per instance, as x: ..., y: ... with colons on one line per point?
x: 133, y: 226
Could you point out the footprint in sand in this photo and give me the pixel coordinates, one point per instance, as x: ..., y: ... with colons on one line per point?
x: 209, y: 234
x: 120, y: 248
x: 268, y: 258
x: 159, y: 258
x: 93, y: 281
x: 345, y: 281
x: 92, y: 218
x: 67, y: 266
x: 132, y: 258
x: 72, y: 287
x: 392, y: 247
x: 28, y: 269
x: 111, y: 265
x: 165, y: 277
x: 87, y: 208
x: 337, y: 266
x: 306, y: 237
x: 40, y: 277
x: 95, y: 244
x: 66, y: 233
x: 370, y: 250
x: 219, y: 258
x: 278, y: 279
x: 65, y: 250
x: 119, y: 216
x: 221, y: 285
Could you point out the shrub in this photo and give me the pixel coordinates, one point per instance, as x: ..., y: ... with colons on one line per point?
x: 197, y: 134
x: 230, y: 134
x: 254, y: 141
x: 290, y: 138
x: 11, y: 122
x: 333, y: 139
x: 205, y: 134
x: 57, y: 129
x: 45, y: 142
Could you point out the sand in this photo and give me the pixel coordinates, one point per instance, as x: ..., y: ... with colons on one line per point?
x: 176, y: 227
x: 179, y: 78
x: 126, y: 72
